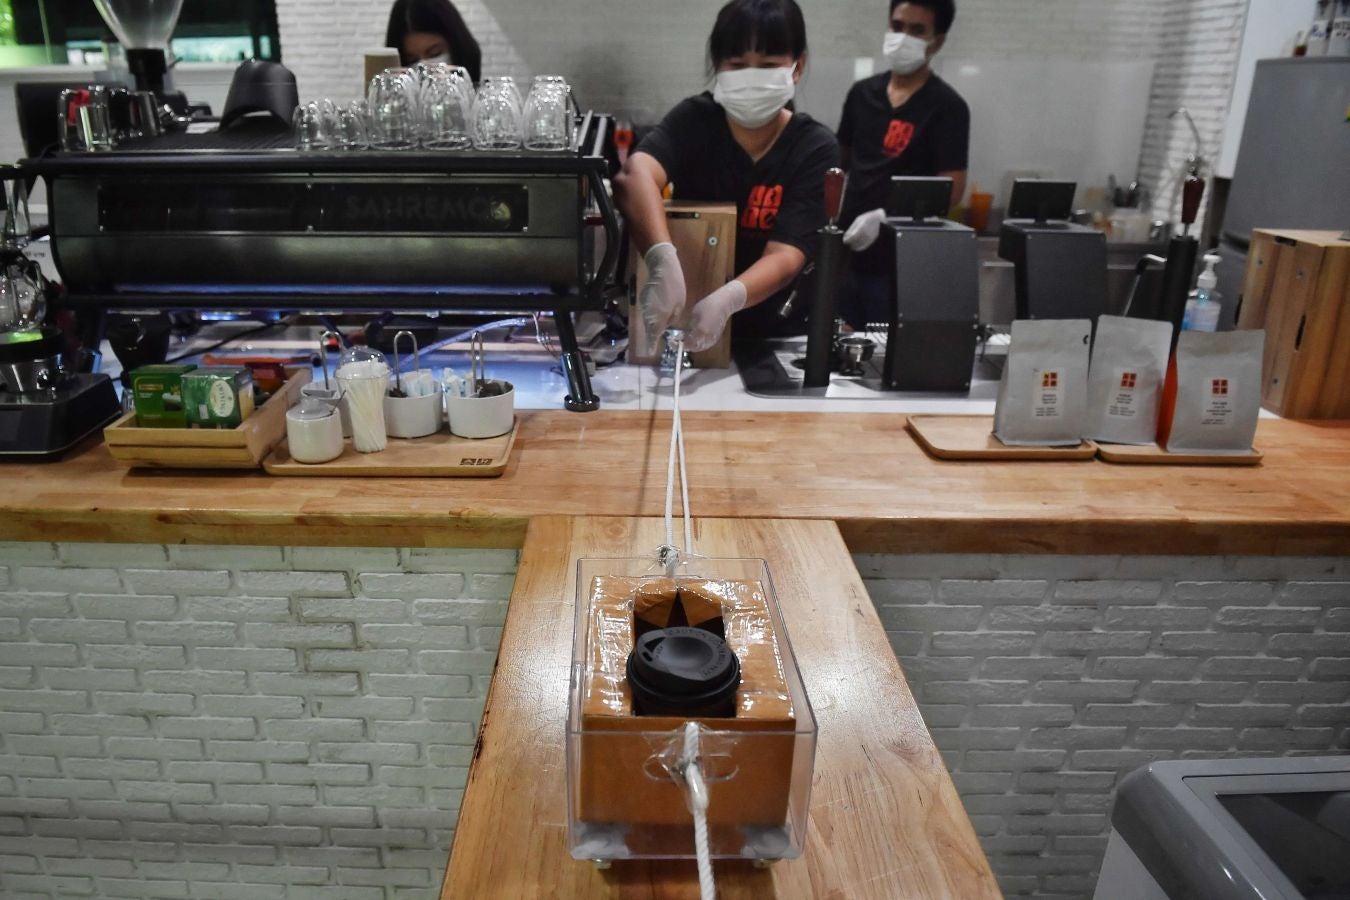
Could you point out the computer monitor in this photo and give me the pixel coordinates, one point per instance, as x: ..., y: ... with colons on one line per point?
x: 919, y: 198
x: 1041, y: 200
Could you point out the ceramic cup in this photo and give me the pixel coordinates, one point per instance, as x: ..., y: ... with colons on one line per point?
x: 412, y: 417
x: 333, y: 397
x: 313, y: 433
x: 482, y: 417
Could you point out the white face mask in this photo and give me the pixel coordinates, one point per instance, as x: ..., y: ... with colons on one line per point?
x: 753, y: 97
x: 438, y: 58
x: 905, y: 52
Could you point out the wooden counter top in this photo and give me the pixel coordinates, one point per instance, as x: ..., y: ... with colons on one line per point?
x: 861, y: 470
x: 885, y: 819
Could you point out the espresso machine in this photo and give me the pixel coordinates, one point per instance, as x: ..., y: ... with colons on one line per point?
x: 238, y: 219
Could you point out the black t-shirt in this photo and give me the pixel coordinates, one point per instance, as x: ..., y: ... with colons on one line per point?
x: 927, y: 134
x: 779, y: 198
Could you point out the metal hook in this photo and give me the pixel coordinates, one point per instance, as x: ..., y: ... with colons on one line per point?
x: 477, y: 371
x: 398, y: 362
x: 1197, y: 160
x: 323, y: 354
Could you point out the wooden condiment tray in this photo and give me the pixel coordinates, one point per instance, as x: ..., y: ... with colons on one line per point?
x: 439, y: 455
x: 242, y: 447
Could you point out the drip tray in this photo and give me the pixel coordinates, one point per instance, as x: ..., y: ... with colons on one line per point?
x: 772, y: 369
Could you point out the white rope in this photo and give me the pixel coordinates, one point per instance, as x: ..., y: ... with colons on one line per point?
x: 677, y: 451
x: 698, y: 802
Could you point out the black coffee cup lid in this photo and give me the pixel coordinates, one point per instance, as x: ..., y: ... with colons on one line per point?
x: 673, y: 667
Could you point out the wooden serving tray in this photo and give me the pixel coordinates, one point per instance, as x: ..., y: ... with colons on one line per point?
x: 439, y: 455
x: 965, y: 438
x: 207, y: 448
x: 1152, y: 454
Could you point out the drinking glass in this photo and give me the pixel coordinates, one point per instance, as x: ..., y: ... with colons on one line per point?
x: 393, y: 110
x: 446, y: 115
x: 17, y: 228
x: 85, y: 123
x: 548, y: 120
x: 311, y: 128
x: 351, y: 131
x: 497, y: 115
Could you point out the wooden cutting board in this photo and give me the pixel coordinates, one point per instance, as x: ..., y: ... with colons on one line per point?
x: 440, y: 455
x: 966, y: 438
x: 1152, y: 454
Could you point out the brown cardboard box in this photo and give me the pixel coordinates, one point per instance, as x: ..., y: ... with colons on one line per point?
x: 704, y: 235
x: 1297, y: 287
x: 747, y: 760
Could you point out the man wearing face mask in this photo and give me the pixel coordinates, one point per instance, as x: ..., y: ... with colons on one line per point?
x: 738, y: 144
x: 904, y: 121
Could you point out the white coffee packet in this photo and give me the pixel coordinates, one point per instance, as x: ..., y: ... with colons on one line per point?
x: 1125, y: 379
x: 1218, y: 392
x: 1042, y: 395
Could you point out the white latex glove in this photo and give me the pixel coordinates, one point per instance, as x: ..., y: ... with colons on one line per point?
x: 864, y: 230
x: 711, y: 314
x: 662, y: 294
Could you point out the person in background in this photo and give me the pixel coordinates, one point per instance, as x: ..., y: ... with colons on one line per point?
x: 432, y: 31
x: 904, y: 121
x: 739, y: 143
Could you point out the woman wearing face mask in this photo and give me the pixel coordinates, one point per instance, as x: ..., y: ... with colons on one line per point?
x: 904, y: 121
x: 432, y: 31
x: 738, y: 143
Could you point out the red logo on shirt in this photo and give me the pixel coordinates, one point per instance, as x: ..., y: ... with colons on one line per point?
x: 761, y: 212
x: 898, y: 136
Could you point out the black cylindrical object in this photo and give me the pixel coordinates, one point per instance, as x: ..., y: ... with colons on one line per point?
x: 683, y: 672
x: 148, y: 68
x: 820, y: 318
x: 1178, y: 277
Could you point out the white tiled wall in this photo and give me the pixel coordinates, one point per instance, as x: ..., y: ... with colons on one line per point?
x: 245, y: 722
x: 1044, y: 679
x: 1197, y: 63
x: 638, y: 58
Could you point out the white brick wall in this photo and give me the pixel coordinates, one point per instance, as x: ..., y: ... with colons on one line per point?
x: 1197, y: 63
x: 239, y: 721
x: 280, y: 722
x: 1044, y: 679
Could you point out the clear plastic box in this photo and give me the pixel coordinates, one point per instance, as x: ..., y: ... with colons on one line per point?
x: 622, y: 800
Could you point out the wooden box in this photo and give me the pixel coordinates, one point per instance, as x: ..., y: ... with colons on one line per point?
x: 704, y: 235
x: 748, y: 760
x: 243, y: 447
x: 1297, y: 287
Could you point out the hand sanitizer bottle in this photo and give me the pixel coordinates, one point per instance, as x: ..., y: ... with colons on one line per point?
x: 1203, y: 307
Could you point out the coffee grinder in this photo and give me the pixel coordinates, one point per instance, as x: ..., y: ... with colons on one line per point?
x: 44, y: 408
x: 934, y: 269
x: 1060, y: 266
x: 143, y: 28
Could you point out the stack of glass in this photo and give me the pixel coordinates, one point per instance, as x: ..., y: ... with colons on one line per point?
x: 435, y: 106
